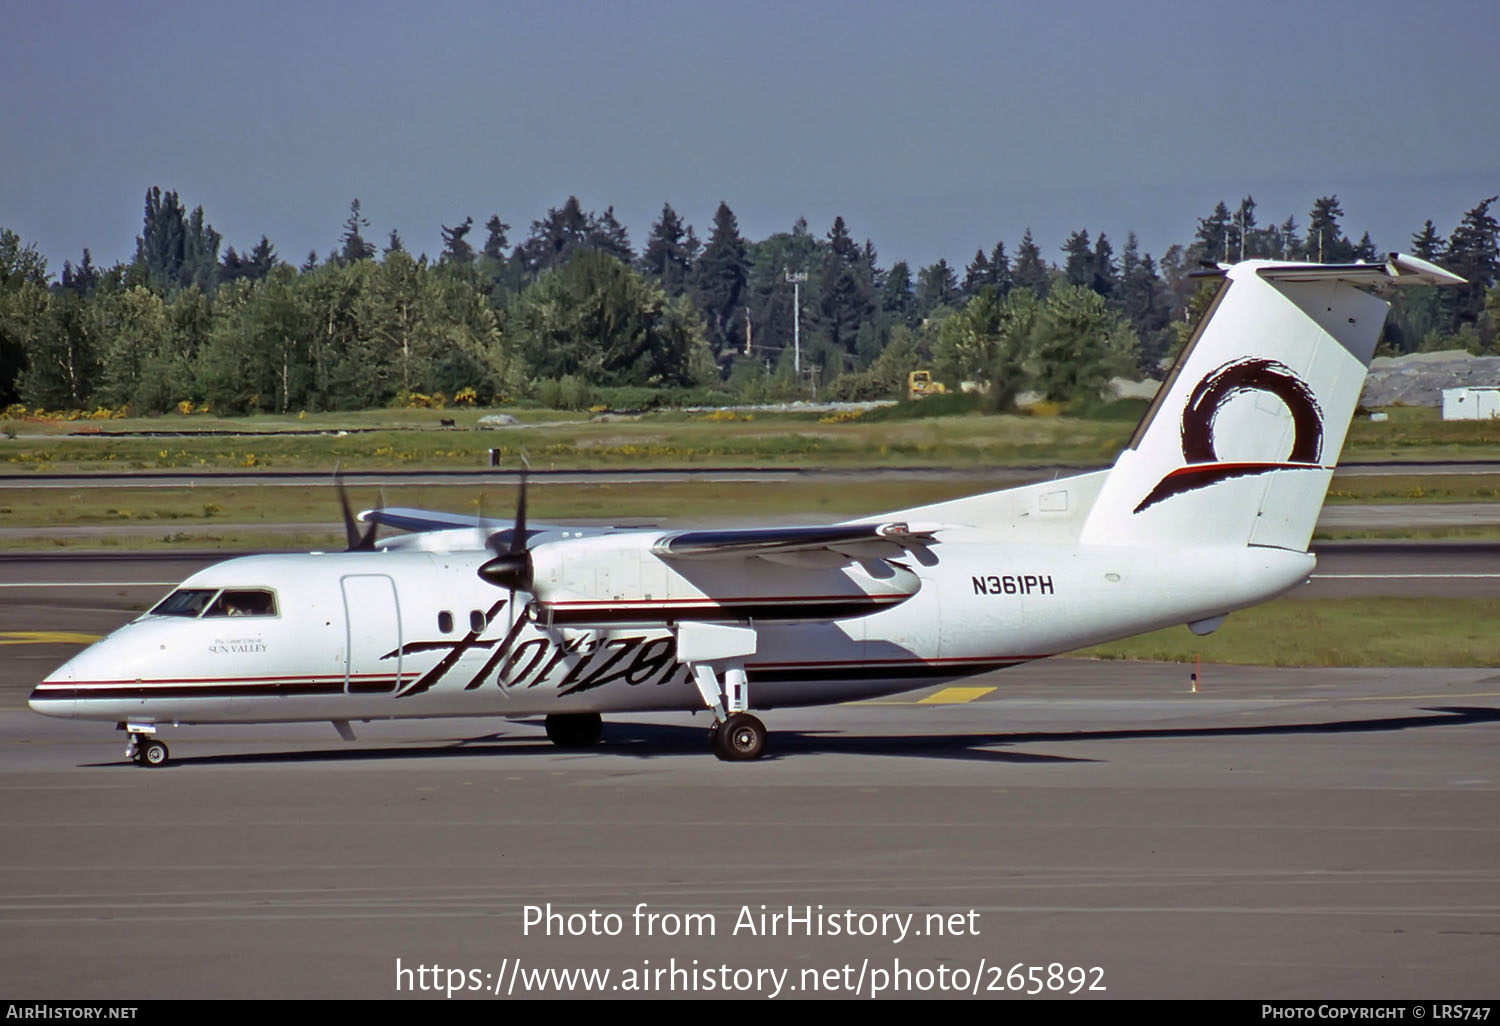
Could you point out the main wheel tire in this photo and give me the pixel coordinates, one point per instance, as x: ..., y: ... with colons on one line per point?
x: 739, y: 738
x: 154, y: 753
x: 575, y: 730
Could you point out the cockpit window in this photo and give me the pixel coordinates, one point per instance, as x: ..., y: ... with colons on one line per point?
x: 243, y: 602
x: 185, y: 602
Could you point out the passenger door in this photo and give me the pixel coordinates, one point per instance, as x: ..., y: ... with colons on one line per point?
x: 372, y: 620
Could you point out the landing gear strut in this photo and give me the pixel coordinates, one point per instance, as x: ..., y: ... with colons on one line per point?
x: 707, y: 650
x: 574, y: 730
x: 735, y: 735
x: 144, y: 749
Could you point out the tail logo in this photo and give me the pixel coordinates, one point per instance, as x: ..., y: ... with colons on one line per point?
x: 1204, y: 467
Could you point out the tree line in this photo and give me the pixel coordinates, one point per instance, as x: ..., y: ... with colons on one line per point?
x: 572, y: 306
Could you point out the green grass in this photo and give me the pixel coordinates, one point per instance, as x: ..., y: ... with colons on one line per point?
x: 239, y: 505
x: 945, y: 430
x: 1401, y: 488
x: 1334, y: 632
x: 1477, y: 533
x: 1417, y: 433
x: 949, y: 405
x: 227, y: 540
x: 654, y: 440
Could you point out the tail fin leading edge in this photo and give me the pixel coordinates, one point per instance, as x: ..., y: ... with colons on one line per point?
x: 1240, y: 444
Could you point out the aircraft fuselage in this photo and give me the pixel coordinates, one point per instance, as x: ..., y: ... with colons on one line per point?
x: 375, y: 635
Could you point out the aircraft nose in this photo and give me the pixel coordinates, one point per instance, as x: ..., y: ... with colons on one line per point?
x: 52, y: 701
x: 54, y: 695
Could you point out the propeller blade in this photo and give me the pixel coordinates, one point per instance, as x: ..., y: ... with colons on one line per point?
x: 354, y: 539
x: 367, y: 540
x: 351, y: 531
x: 512, y: 569
x: 518, y: 535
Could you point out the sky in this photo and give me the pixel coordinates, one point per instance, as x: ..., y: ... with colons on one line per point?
x: 933, y: 129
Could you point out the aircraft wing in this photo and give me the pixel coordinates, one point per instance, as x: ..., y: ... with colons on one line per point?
x: 853, y: 541
x: 489, y: 530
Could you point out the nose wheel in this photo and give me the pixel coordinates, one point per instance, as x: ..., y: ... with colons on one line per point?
x: 146, y: 750
x: 740, y: 737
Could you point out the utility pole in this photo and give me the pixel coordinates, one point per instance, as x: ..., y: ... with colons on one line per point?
x: 797, y: 279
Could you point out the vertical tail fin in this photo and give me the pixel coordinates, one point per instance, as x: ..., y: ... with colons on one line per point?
x: 1240, y: 443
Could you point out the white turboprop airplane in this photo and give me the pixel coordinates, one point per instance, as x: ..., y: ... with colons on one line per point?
x: 1208, y: 510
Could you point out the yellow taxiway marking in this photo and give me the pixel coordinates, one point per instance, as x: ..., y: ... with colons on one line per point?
x: 954, y: 696
x: 47, y: 638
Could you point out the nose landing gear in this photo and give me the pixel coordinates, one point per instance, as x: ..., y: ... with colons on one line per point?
x: 144, y: 749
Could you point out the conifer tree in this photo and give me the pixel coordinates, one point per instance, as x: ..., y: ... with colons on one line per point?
x: 1427, y: 243
x: 1106, y: 280
x: 1212, y: 239
x: 608, y: 235
x: 719, y: 283
x: 553, y: 239
x: 670, y: 251
x: 352, y: 244
x: 1030, y: 271
x: 1000, y: 270
x: 1325, y: 238
x: 1079, y: 266
x: 847, y: 292
x: 495, y: 242
x: 937, y: 287
x: 161, y: 246
x: 1472, y: 254
x: 978, y: 274
x: 897, y: 297
x: 456, y: 248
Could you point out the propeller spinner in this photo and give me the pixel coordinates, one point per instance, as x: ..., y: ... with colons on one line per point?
x: 512, y: 568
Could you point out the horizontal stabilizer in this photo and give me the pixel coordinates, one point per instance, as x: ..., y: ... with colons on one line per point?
x: 1398, y: 270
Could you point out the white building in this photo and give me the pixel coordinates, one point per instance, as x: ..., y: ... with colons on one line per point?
x: 1473, y: 402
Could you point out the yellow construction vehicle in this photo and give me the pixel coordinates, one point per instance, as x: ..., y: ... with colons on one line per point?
x: 919, y: 385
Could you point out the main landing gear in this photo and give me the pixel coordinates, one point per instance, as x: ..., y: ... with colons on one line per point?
x: 144, y: 749
x: 741, y: 736
x: 736, y: 736
x: 574, y: 730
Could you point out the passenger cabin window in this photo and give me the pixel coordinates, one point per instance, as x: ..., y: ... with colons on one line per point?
x: 185, y: 602
x: 243, y: 602
x: 476, y: 621
x: 445, y: 622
